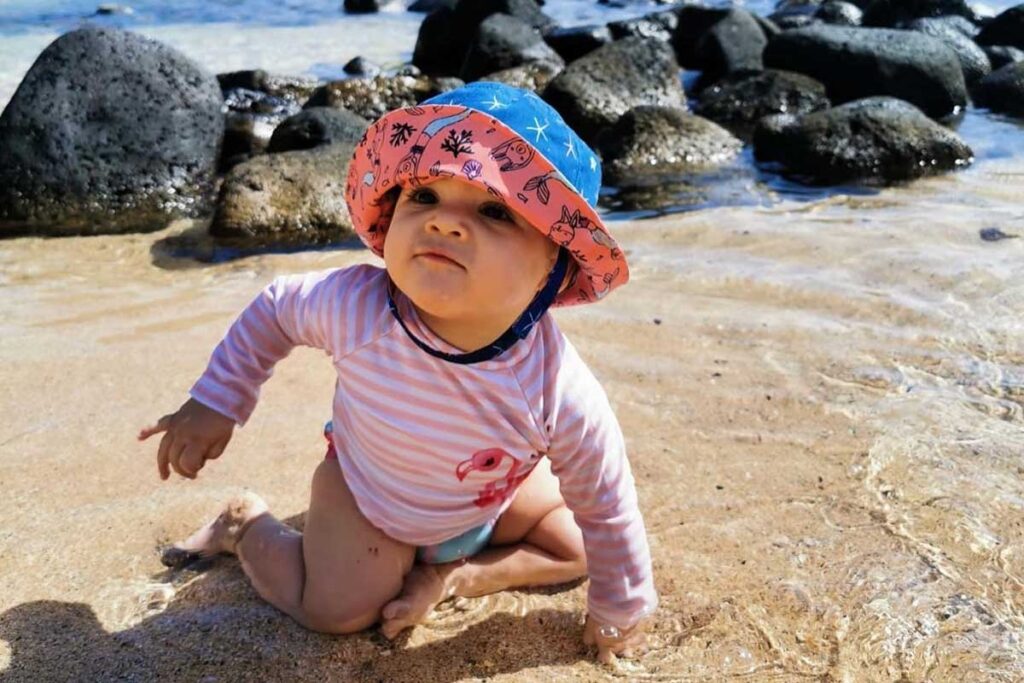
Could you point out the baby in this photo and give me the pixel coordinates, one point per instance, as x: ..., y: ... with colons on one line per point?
x: 470, y: 450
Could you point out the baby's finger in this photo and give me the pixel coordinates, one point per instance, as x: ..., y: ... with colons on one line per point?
x: 175, y: 458
x: 191, y: 460
x: 161, y: 426
x: 163, y: 455
x: 217, y: 449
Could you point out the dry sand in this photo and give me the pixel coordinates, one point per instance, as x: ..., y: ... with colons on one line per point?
x: 821, y: 403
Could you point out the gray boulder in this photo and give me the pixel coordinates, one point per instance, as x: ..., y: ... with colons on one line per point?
x: 875, y: 140
x: 315, y: 127
x: 854, y: 63
x: 595, y: 90
x: 249, y: 122
x: 571, y: 43
x: 445, y: 35
x: 694, y: 22
x: 361, y: 67
x: 373, y: 97
x: 732, y: 43
x: 840, y: 13
x: 661, y: 25
x: 362, y: 6
x: 1003, y: 90
x: 534, y: 76
x: 895, y: 12
x: 1001, y: 55
x: 436, y: 52
x: 427, y: 6
x: 1004, y: 29
x: 296, y: 88
x: 502, y: 42
x: 109, y: 132
x: 650, y: 140
x: 290, y: 199
x: 738, y: 101
x: 794, y: 17
x: 973, y: 60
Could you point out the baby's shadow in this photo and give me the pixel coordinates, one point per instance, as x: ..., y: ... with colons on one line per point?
x: 215, y: 628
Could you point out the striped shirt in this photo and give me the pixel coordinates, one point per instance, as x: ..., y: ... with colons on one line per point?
x: 431, y: 448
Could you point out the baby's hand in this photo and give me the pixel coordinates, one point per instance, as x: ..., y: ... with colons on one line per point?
x: 192, y: 436
x: 611, y: 641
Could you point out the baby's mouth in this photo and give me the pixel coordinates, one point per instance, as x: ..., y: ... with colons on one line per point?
x: 438, y: 256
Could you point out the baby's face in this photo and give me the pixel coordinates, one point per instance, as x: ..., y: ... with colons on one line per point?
x: 461, y: 255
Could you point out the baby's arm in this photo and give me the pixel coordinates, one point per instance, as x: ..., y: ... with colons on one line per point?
x: 291, y: 311
x: 588, y: 457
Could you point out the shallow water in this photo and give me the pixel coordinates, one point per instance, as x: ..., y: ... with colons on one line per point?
x: 822, y: 393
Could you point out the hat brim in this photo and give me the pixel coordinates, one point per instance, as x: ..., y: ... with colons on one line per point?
x: 419, y: 145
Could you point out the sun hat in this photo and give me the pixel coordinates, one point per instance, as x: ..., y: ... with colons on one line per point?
x: 509, y: 142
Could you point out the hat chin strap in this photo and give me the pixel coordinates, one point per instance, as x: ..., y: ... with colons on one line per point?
x: 519, y: 330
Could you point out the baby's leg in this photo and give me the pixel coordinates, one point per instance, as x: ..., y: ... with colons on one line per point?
x: 536, y: 542
x: 334, y: 577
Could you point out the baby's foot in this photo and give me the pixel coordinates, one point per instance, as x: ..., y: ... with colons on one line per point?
x: 221, y: 535
x: 424, y: 587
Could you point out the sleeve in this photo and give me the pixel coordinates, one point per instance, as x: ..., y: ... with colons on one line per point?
x: 291, y: 311
x: 588, y: 456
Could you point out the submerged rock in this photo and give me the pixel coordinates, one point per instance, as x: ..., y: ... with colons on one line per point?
x: 595, y: 90
x: 875, y: 140
x: 658, y: 139
x: 108, y: 132
x: 290, y: 199
x: 854, y: 63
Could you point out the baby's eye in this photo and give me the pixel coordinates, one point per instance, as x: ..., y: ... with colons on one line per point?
x: 422, y: 195
x: 497, y: 212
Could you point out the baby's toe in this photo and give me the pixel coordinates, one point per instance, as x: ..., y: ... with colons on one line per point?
x: 176, y: 558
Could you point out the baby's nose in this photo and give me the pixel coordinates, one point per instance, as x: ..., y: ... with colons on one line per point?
x: 448, y: 223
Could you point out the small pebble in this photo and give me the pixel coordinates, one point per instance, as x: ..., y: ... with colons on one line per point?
x: 994, y: 235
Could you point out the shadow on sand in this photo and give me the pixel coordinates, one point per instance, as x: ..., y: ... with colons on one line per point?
x: 215, y: 628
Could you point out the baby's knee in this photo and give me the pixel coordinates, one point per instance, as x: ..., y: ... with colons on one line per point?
x: 338, y: 619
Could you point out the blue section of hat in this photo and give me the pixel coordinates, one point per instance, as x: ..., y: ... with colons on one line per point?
x: 539, y: 124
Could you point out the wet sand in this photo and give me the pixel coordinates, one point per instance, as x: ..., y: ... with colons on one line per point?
x: 822, y: 403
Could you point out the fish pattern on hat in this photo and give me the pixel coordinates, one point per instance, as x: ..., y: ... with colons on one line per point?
x: 507, y: 141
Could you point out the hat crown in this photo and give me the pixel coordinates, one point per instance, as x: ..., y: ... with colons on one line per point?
x: 538, y: 124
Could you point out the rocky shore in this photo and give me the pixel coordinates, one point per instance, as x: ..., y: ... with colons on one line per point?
x: 111, y: 132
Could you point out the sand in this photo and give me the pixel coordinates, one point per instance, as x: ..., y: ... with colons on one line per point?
x: 821, y: 400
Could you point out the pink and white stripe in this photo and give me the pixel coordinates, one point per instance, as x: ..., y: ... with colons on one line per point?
x: 405, y: 421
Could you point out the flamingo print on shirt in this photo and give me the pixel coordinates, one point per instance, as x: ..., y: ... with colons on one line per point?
x: 487, y: 462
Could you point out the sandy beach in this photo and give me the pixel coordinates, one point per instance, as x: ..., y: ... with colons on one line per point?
x: 822, y: 403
